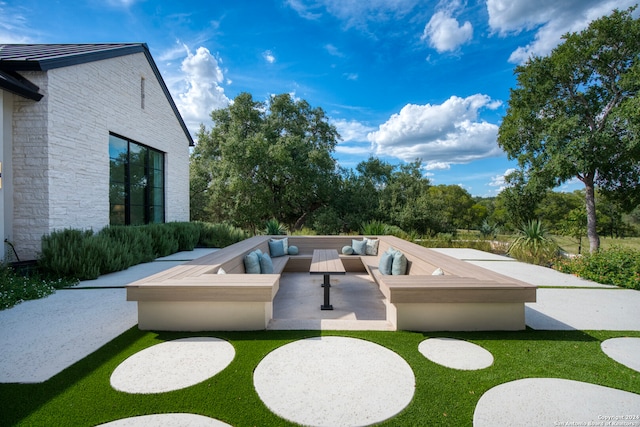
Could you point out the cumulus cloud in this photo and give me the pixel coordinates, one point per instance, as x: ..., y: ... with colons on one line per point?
x: 352, y: 130
x: 500, y: 180
x: 549, y: 18
x: 439, y: 134
x: 201, y: 92
x: 444, y: 33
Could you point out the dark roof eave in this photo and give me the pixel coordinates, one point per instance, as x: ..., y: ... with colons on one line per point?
x: 15, y: 83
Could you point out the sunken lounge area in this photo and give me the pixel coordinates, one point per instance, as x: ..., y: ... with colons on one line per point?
x: 431, y: 292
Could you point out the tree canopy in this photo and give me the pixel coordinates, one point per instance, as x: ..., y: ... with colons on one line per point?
x: 574, y: 114
x: 262, y: 161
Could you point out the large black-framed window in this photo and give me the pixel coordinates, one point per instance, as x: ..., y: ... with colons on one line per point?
x: 136, y: 183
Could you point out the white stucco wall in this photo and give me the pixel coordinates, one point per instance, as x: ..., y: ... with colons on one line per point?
x: 61, y: 145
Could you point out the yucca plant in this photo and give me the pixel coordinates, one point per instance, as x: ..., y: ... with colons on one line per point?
x: 534, y: 245
x: 275, y: 227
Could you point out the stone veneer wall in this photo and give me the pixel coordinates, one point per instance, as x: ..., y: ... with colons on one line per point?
x: 61, y: 146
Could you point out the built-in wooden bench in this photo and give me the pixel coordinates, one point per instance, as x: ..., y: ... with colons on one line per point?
x: 194, y: 297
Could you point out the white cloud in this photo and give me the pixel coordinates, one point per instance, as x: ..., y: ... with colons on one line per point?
x: 351, y: 76
x: 437, y: 166
x: 549, y: 18
x: 268, y: 56
x: 333, y: 51
x: 439, y: 134
x: 500, y: 180
x: 352, y: 130
x: 355, y: 13
x: 201, y: 92
x: 444, y: 33
x: 14, y: 26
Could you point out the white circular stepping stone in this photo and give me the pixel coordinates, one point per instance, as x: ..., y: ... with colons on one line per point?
x: 553, y: 401
x: 167, y: 420
x: 624, y: 350
x: 172, y: 365
x: 334, y: 381
x: 456, y: 354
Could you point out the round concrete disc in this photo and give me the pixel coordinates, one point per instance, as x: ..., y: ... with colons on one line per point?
x: 552, y: 401
x: 456, y: 354
x: 625, y: 350
x: 172, y: 365
x: 167, y: 420
x: 334, y: 381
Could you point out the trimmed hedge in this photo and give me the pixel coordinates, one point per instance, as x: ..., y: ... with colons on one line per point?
x: 85, y: 255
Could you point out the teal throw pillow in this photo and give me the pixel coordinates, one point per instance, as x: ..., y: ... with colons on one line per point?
x: 386, y: 260
x: 347, y: 250
x: 276, y: 248
x: 266, y: 265
x: 359, y: 247
x: 399, y: 265
x: 293, y: 250
x: 252, y: 263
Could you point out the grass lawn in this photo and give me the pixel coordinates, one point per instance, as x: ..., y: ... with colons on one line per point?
x: 81, y: 395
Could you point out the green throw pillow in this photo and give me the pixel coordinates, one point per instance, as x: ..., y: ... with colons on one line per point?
x: 266, y: 265
x: 386, y: 260
x: 399, y: 266
x: 347, y: 250
x: 276, y: 248
x: 359, y: 247
x: 252, y: 263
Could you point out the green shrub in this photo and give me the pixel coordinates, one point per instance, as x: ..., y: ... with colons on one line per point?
x: 304, y: 231
x: 71, y: 253
x: 163, y: 239
x: 534, y: 245
x: 614, y: 266
x: 187, y: 234
x: 16, y: 288
x: 219, y: 235
x: 125, y: 246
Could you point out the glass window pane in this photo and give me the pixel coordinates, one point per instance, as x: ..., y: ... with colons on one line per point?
x: 117, y: 193
x: 116, y: 215
x: 156, y: 160
x: 157, y: 196
x: 156, y: 214
x: 117, y: 147
x: 137, y: 215
x: 117, y: 170
x: 137, y: 194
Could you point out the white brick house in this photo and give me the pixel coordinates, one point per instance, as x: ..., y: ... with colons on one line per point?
x: 90, y: 137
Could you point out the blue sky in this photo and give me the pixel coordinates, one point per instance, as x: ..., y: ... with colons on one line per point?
x: 400, y: 79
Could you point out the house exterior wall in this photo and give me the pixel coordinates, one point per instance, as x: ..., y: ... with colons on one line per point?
x: 62, y: 145
x: 30, y: 164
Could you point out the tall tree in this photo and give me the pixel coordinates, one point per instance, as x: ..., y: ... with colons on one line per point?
x: 262, y: 161
x: 574, y: 114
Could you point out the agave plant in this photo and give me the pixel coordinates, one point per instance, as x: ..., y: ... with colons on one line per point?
x: 375, y: 228
x: 275, y: 227
x: 533, y: 244
x: 488, y: 230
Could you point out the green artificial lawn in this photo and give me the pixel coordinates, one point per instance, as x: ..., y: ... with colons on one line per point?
x: 81, y: 395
